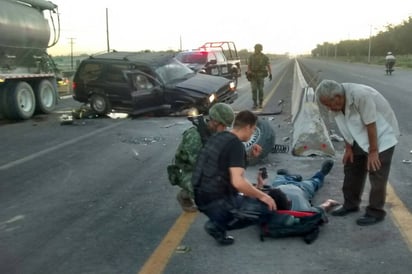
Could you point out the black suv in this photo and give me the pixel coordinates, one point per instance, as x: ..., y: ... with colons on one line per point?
x: 143, y: 82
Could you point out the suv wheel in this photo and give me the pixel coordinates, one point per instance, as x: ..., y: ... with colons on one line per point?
x: 264, y: 136
x: 99, y: 104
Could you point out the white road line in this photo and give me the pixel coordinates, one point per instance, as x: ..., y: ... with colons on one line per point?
x: 50, y: 149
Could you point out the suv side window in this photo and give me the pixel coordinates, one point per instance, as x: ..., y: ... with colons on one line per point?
x: 115, y: 73
x: 90, y: 71
x: 142, y: 82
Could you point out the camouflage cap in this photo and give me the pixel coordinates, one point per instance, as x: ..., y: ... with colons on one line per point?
x: 222, y: 113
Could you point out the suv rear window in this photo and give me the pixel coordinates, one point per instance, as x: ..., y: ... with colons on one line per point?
x: 94, y: 71
x: 115, y: 73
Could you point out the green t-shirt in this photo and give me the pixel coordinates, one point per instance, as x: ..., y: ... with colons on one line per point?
x: 258, y: 63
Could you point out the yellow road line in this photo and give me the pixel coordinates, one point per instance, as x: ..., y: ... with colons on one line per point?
x: 401, y: 215
x: 160, y: 257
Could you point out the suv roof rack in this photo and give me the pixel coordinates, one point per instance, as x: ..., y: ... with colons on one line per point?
x: 130, y: 56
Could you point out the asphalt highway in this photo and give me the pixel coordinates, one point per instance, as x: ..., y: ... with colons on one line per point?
x: 93, y: 196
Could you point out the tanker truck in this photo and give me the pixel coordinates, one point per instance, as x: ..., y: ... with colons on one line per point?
x: 28, y: 75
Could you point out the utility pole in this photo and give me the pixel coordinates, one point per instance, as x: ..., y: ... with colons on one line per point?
x: 370, y: 44
x: 107, y: 29
x: 71, y: 51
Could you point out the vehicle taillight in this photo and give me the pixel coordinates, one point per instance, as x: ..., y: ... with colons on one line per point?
x: 74, y: 85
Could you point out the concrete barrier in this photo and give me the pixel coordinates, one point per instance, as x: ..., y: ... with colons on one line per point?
x: 310, y: 135
x: 299, y: 83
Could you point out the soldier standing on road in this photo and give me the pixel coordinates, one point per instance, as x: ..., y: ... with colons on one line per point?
x: 258, y: 69
x: 370, y: 129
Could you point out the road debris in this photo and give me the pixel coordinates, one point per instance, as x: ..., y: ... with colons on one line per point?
x: 182, y: 249
x: 66, y: 119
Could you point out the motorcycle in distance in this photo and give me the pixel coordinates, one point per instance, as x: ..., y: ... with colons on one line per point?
x: 389, y: 67
x: 389, y: 63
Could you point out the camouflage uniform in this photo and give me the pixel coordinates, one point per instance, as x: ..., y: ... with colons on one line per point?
x: 258, y: 63
x: 184, y: 161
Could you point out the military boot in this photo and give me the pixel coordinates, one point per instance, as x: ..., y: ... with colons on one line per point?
x: 185, y: 201
x: 255, y: 105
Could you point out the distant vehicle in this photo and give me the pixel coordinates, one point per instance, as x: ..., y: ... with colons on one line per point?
x: 28, y: 76
x: 137, y: 83
x: 213, y: 58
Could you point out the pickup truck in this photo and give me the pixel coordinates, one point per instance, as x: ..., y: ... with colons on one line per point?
x: 213, y: 58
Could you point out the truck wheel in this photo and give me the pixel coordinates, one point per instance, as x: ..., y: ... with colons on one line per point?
x: 264, y: 136
x: 100, y: 104
x: 46, y: 97
x: 20, y: 102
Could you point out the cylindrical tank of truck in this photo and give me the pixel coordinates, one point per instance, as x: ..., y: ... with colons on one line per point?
x: 27, y: 73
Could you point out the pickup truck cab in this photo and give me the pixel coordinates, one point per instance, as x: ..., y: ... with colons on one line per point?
x: 213, y: 58
x: 205, y: 61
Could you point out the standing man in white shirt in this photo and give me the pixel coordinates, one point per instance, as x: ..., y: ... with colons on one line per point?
x: 370, y: 129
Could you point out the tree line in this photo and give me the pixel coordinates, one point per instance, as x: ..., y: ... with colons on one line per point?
x: 397, y: 39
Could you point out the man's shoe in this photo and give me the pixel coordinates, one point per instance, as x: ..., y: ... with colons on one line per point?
x: 220, y: 236
x: 226, y: 240
x: 368, y: 220
x: 326, y: 167
x: 341, y: 211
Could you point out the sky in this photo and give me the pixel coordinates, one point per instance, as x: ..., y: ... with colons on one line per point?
x: 287, y: 26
